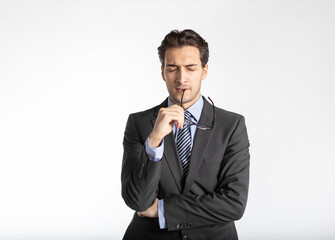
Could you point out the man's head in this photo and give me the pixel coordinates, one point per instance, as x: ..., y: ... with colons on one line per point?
x: 187, y: 37
x: 184, y: 57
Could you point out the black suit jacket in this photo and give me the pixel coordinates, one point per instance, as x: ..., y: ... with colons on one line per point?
x: 214, y: 193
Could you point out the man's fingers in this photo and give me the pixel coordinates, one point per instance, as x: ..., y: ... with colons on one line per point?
x: 173, y: 114
x: 165, y: 121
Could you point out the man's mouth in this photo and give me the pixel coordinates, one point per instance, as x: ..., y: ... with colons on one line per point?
x: 181, y: 89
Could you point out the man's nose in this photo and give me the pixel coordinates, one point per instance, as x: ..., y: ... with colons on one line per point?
x: 182, y: 76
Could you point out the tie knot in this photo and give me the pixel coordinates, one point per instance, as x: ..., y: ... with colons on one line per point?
x: 187, y: 115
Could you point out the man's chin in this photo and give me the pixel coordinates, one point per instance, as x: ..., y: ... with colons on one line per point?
x: 175, y: 99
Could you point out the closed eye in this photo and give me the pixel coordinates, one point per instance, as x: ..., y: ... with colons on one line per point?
x: 191, y: 67
x: 170, y: 69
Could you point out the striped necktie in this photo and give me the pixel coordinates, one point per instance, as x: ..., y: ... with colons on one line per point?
x: 184, y: 144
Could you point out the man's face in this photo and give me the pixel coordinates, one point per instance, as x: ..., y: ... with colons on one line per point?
x: 182, y: 70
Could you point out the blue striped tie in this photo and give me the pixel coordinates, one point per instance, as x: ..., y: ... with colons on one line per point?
x: 184, y: 144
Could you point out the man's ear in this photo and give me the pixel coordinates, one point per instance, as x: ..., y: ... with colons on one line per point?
x: 204, y: 72
x: 162, y: 71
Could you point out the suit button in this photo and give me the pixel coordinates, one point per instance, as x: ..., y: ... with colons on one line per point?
x: 185, y: 236
x: 177, y: 226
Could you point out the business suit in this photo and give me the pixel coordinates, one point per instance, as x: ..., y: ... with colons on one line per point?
x: 203, y: 205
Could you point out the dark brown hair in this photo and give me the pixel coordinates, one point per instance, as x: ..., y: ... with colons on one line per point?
x: 186, y: 37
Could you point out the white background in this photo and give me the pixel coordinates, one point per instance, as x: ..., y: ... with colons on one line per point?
x: 72, y: 71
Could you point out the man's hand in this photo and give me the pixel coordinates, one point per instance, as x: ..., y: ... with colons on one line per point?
x: 151, y: 212
x: 166, y: 118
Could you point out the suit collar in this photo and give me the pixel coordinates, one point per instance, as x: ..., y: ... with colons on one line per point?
x: 206, y: 117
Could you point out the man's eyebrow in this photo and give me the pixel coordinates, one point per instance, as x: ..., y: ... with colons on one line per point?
x: 188, y: 65
x: 171, y: 65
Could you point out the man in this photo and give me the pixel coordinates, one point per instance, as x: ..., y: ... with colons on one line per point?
x: 185, y: 167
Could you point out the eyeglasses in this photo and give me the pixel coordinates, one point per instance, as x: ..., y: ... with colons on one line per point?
x: 199, y: 125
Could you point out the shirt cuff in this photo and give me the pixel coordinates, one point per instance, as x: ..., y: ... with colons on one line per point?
x: 161, y: 216
x: 154, y: 154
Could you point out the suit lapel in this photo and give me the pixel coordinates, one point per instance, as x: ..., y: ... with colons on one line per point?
x: 200, y: 145
x: 170, y: 152
x: 172, y: 160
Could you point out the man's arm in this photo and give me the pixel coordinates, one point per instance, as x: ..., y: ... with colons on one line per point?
x: 140, y: 176
x: 151, y: 212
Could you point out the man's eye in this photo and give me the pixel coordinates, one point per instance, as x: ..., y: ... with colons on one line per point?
x: 172, y: 69
x: 191, y: 69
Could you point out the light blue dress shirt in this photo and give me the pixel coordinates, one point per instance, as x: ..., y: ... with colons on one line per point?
x: 156, y: 154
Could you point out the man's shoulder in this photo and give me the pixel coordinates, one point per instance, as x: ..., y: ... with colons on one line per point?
x: 227, y: 113
x: 223, y: 115
x: 144, y: 113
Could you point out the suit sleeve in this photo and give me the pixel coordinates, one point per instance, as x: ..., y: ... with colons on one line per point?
x: 140, y: 176
x: 227, y: 203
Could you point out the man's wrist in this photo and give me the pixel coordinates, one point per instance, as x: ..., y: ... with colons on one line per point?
x: 154, y: 154
x: 154, y: 141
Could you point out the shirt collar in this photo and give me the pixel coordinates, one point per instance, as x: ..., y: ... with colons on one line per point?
x: 195, y: 109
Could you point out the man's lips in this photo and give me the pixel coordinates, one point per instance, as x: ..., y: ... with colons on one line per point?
x: 181, y: 89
